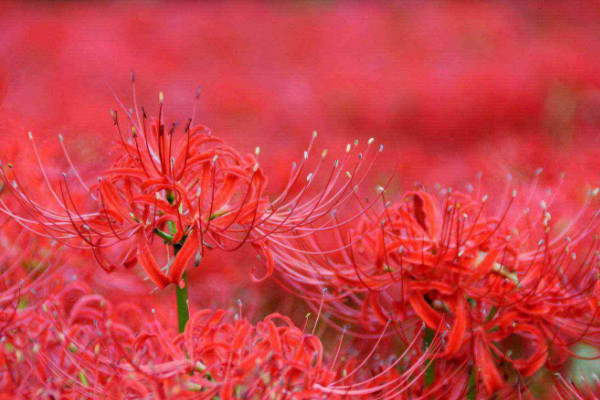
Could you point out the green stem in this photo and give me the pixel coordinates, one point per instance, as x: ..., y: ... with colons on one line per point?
x: 183, y: 310
x: 430, y: 371
x: 471, y: 388
x: 183, y: 306
x: 164, y: 236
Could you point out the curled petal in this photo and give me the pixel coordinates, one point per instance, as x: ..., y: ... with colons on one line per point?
x: 485, y: 364
x: 426, y: 212
x: 532, y: 364
x: 266, y: 252
x: 431, y: 317
x: 183, y: 258
x: 455, y: 338
x: 148, y: 262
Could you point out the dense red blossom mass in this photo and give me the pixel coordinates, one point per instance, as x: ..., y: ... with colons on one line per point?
x: 436, y: 239
x: 486, y: 279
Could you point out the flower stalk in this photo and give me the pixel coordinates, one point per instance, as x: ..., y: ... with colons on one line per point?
x: 428, y: 338
x: 181, y: 291
x: 183, y: 310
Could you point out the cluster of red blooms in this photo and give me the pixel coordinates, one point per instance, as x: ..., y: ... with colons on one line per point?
x: 82, y: 346
x: 455, y: 300
x: 194, y: 192
x: 491, y: 283
x: 61, y: 340
x: 427, y: 294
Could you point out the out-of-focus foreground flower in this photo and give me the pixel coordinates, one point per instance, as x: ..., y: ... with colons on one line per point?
x: 79, y: 345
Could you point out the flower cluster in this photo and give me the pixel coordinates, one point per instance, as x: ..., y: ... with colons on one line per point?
x: 193, y: 192
x: 511, y: 292
x: 79, y: 344
x: 430, y: 294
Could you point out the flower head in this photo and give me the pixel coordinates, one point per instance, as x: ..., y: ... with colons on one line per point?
x: 80, y: 344
x: 487, y: 280
x: 193, y: 192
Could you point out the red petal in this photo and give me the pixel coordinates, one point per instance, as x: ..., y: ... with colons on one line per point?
x: 431, y: 317
x: 149, y: 264
x: 485, y: 365
x: 426, y: 212
x: 485, y: 266
x: 534, y: 363
x: 269, y: 259
x: 455, y: 338
x: 183, y: 258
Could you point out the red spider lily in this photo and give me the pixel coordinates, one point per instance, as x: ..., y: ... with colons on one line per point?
x: 81, y: 345
x: 30, y: 271
x: 28, y: 267
x: 490, y: 281
x: 194, y: 193
x: 68, y: 350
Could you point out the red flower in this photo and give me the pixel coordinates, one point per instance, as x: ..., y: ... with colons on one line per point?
x: 487, y: 282
x: 194, y: 192
x: 81, y: 345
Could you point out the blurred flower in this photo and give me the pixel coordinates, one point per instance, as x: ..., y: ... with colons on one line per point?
x: 79, y: 344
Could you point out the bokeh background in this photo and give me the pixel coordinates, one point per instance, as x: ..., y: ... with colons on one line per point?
x: 452, y: 90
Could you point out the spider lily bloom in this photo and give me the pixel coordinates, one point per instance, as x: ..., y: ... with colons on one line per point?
x: 198, y: 188
x: 28, y: 267
x: 31, y: 272
x: 233, y: 359
x: 488, y: 281
x: 72, y: 348
x: 84, y: 346
x: 194, y: 192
